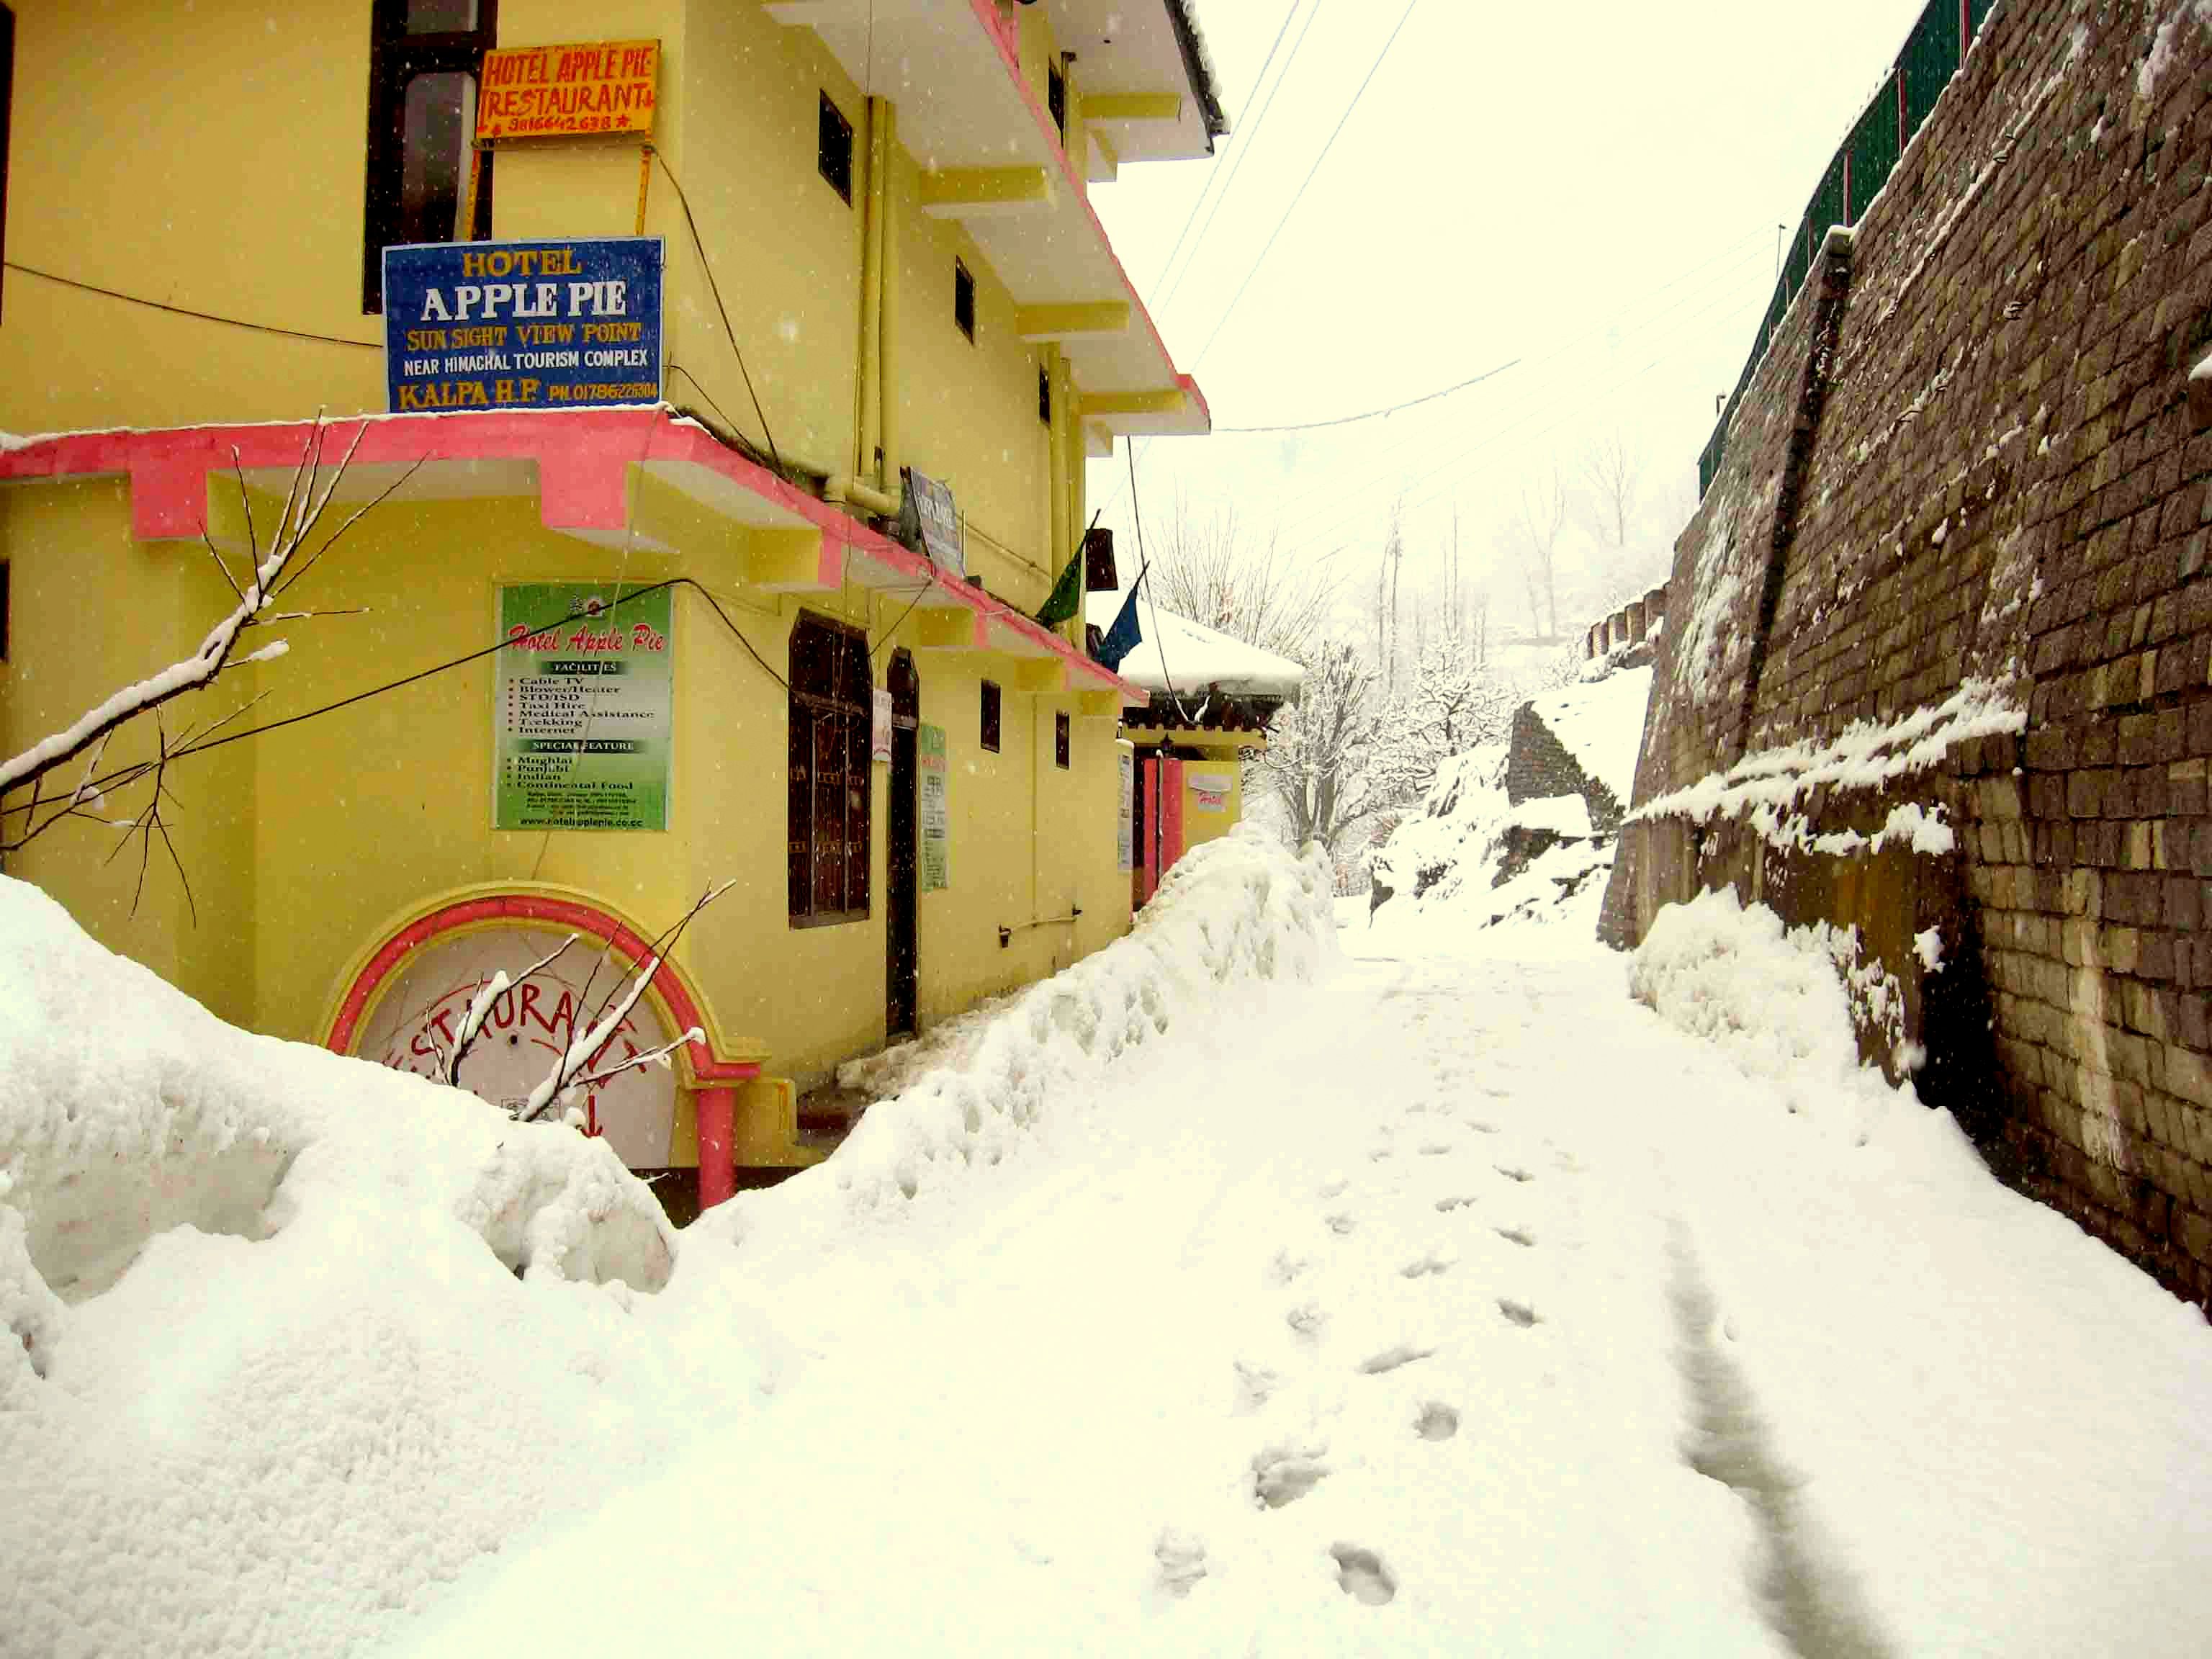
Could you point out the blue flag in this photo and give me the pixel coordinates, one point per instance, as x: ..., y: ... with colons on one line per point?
x: 1124, y: 636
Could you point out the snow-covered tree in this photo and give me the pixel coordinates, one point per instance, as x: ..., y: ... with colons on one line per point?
x: 1319, y: 748
x: 1454, y: 704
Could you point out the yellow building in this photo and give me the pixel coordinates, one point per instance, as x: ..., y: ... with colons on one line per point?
x: 573, y: 666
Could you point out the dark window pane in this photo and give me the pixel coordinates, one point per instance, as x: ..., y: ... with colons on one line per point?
x: 441, y: 16
x: 1059, y: 741
x: 829, y: 818
x: 440, y: 113
x: 1044, y: 396
x: 963, y: 298
x: 836, y: 149
x: 800, y: 808
x: 990, y: 717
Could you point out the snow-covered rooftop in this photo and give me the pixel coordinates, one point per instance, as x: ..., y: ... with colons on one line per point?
x: 1180, y: 654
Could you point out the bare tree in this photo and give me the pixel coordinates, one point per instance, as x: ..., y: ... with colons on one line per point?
x: 272, y: 572
x: 1543, y: 516
x: 1213, y: 571
x: 1612, y: 475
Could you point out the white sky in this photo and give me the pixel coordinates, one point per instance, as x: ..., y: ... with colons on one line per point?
x: 1595, y: 195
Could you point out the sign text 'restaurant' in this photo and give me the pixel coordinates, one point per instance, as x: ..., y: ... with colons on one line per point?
x: 555, y: 92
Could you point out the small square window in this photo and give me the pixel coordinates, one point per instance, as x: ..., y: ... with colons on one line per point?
x: 1059, y: 741
x: 963, y: 298
x: 990, y: 716
x: 834, y: 149
x: 1044, y: 396
x: 1055, y: 97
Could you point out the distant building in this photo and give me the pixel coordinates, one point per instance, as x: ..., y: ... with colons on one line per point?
x: 1209, y: 698
x: 777, y: 635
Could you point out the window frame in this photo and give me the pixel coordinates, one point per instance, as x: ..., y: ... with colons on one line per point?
x: 842, y: 180
x: 963, y: 298
x: 990, y: 715
x: 395, y: 58
x: 1055, y: 95
x: 847, y: 712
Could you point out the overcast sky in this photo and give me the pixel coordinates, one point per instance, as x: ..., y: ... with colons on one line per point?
x: 1595, y: 193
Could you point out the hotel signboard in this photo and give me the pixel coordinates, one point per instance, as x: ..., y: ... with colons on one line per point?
x: 583, y: 710
x: 548, y: 324
x: 566, y: 91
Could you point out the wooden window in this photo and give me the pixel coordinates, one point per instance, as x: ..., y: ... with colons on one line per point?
x: 423, y: 61
x: 834, y: 149
x: 832, y: 703
x: 1059, y: 741
x: 963, y: 299
x: 1044, y: 396
x: 990, y: 709
x: 1055, y: 97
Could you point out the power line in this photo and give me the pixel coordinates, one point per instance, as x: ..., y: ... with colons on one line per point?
x: 186, y: 311
x: 715, y: 289
x: 1220, y: 175
x: 1310, y: 172
x: 1377, y: 414
x: 1237, y: 162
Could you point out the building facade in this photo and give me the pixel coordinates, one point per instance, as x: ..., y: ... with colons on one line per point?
x: 773, y: 605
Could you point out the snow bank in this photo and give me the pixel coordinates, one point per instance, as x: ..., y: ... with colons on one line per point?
x: 272, y: 1374
x: 1770, y: 998
x: 1240, y: 908
x: 1601, y: 724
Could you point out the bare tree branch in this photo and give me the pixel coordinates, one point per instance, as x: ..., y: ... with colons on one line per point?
x: 489, y: 993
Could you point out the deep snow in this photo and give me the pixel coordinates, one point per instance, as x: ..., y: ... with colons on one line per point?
x: 1427, y: 1302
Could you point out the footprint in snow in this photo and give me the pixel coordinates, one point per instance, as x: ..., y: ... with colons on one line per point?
x: 1334, y: 1185
x: 1281, y: 1476
x: 1256, y: 1386
x: 1481, y: 1127
x: 1513, y: 1174
x: 1437, y: 1148
x: 1520, y: 1236
x: 1341, y: 1223
x: 1361, y: 1575
x: 1182, y: 1559
x: 1390, y: 1358
x: 1425, y: 1267
x: 1446, y: 1205
x: 1286, y: 1267
x: 1437, y: 1421
x: 1307, y: 1319
x: 1519, y: 1312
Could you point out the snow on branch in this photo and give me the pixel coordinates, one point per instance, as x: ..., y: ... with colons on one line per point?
x: 571, y: 1070
x: 488, y: 994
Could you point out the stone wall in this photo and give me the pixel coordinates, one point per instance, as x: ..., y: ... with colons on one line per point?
x: 1538, y: 767
x: 1964, y: 504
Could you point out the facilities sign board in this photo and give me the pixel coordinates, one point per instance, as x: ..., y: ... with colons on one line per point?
x: 936, y: 812
x: 583, y: 709
x: 559, y: 92
x: 939, y: 520
x: 553, y: 325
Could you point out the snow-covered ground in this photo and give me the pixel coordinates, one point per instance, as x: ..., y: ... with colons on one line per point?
x: 1448, y: 1302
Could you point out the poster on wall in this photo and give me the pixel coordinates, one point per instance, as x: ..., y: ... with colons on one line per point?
x: 414, y: 1021
x: 879, y: 728
x: 522, y: 325
x: 1126, y: 848
x: 1210, y: 791
x: 583, y: 708
x: 936, y: 814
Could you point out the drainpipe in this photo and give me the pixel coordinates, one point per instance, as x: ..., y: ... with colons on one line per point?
x: 882, y: 134
x: 1064, y: 396
x: 1056, y: 465
x: 868, y: 386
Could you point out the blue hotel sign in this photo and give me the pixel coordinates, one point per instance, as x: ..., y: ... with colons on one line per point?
x: 551, y: 325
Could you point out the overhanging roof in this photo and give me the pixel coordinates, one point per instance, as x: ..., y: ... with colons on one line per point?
x: 614, y: 477
x: 1180, y: 655
x: 991, y: 158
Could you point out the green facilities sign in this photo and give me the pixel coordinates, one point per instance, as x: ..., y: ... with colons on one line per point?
x: 936, y: 814
x: 582, y: 709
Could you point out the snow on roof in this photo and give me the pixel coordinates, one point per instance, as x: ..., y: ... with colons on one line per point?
x: 1601, y: 726
x: 1180, y: 654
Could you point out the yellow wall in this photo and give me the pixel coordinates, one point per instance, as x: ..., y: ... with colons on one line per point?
x: 1200, y: 827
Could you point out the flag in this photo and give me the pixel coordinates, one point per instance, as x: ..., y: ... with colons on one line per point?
x: 1124, y: 636
x: 1066, y: 594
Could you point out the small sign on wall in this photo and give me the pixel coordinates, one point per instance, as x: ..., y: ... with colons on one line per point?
x: 1126, y: 848
x: 936, y: 812
x: 1210, y: 791
x: 937, y: 520
x: 879, y: 728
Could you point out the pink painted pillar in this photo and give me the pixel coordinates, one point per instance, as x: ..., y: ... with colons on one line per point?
x: 718, y: 1123
x: 1170, y: 814
x: 1148, y: 856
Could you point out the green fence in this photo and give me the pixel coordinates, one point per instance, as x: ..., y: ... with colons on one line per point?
x: 1933, y: 53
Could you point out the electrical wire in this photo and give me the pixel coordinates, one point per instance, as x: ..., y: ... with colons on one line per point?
x: 1160, y: 635
x: 1245, y: 141
x: 1300, y: 196
x: 186, y: 311
x: 723, y: 311
x: 1375, y: 414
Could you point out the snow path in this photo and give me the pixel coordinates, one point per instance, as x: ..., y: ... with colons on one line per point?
x: 1446, y: 1305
